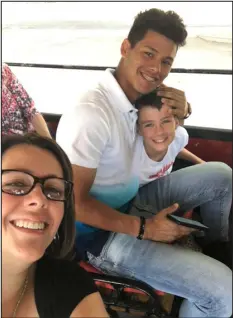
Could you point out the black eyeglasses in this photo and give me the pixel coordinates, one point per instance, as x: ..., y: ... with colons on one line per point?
x: 20, y: 183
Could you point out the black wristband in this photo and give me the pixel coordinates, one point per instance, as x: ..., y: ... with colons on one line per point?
x: 142, y: 228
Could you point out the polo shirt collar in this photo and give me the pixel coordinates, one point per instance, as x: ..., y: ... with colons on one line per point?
x: 115, y: 93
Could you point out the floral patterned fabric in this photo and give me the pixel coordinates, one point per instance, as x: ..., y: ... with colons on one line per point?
x: 17, y: 106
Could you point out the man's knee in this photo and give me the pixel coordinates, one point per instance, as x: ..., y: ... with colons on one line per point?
x: 221, y: 168
x: 222, y: 172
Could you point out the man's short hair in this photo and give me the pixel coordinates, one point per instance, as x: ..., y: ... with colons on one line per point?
x: 151, y: 99
x: 169, y: 24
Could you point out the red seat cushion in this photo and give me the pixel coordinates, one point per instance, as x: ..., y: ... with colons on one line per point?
x: 91, y: 269
x: 188, y: 214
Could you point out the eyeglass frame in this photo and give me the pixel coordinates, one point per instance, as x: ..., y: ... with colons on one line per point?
x: 41, y: 181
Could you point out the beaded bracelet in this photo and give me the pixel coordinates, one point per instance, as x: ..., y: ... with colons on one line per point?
x: 142, y: 228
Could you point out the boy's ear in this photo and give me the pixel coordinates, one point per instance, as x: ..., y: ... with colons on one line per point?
x: 177, y: 121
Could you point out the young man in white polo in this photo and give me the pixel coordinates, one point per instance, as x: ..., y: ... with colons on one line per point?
x: 99, y: 137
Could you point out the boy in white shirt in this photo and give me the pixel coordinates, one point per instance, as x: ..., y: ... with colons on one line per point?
x: 160, y: 139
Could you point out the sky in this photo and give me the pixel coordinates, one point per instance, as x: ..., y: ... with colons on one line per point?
x: 193, y: 13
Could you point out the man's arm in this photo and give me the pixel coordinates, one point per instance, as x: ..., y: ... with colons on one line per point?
x: 189, y: 156
x: 95, y: 213
x: 40, y: 125
x: 92, y: 212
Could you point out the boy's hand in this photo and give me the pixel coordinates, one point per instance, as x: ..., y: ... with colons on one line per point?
x: 159, y: 228
x: 175, y: 99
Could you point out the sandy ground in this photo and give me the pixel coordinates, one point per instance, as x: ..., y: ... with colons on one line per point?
x: 56, y: 91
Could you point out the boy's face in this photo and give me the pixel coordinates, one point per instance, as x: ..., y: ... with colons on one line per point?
x: 157, y: 127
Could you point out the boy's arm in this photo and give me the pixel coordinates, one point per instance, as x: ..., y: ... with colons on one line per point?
x: 189, y: 156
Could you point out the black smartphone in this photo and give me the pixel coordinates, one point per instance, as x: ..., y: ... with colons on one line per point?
x: 187, y: 222
x: 179, y: 212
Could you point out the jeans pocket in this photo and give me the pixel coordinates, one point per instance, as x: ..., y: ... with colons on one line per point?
x: 107, y: 245
x: 96, y: 261
x: 142, y: 210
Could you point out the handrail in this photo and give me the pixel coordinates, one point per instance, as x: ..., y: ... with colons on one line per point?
x: 102, y: 68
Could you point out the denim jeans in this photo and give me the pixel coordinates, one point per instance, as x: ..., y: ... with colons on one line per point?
x: 204, y: 283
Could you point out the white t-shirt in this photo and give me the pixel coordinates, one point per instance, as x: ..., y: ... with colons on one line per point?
x: 100, y: 132
x: 149, y: 170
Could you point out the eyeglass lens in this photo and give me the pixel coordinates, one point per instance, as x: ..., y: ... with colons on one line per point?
x: 21, y: 183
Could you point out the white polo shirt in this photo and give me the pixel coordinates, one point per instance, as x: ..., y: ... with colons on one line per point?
x: 100, y: 132
x: 149, y: 170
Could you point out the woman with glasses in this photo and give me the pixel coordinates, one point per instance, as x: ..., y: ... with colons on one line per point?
x: 39, y: 278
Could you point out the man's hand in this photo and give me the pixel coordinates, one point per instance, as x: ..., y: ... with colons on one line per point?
x: 159, y: 228
x: 175, y: 99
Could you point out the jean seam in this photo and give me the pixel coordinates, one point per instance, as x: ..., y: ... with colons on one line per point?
x: 193, y: 197
x: 115, y: 265
x: 221, y: 213
x: 221, y: 195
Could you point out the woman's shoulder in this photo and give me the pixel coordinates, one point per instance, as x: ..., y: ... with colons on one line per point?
x: 62, y: 265
x: 5, y: 68
x: 7, y: 74
x: 60, y: 285
x: 64, y: 271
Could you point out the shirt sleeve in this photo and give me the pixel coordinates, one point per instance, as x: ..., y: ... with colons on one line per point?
x: 181, y: 138
x: 83, y: 134
x: 24, y: 101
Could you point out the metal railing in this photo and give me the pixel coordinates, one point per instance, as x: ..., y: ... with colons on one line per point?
x: 102, y: 68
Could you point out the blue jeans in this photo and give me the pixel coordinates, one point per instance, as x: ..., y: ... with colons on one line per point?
x: 205, y: 283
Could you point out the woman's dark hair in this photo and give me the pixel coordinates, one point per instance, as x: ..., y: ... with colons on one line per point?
x: 167, y: 23
x: 63, y: 246
x: 151, y: 99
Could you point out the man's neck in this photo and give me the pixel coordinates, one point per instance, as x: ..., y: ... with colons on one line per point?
x: 130, y: 93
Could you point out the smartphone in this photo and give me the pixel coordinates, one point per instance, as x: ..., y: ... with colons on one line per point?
x: 187, y: 222
x: 179, y: 212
